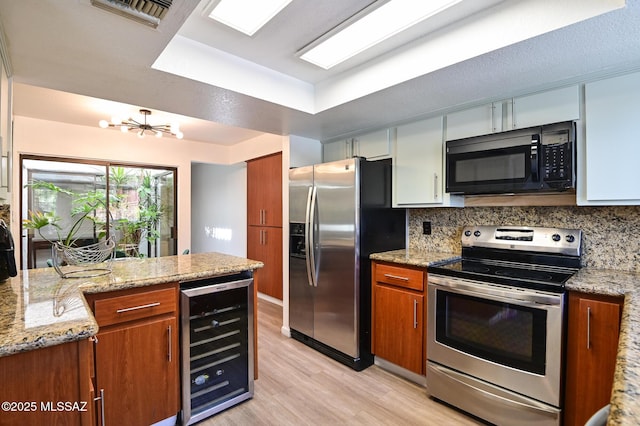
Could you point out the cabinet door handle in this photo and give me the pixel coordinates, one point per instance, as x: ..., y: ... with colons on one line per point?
x: 101, y: 399
x: 135, y: 308
x: 265, y: 237
x: 94, y: 339
x: 415, y: 313
x: 588, y: 327
x: 396, y: 277
x: 435, y: 186
x: 169, y: 345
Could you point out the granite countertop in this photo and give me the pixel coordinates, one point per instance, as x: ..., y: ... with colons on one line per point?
x: 40, y: 309
x: 625, y: 404
x: 414, y: 257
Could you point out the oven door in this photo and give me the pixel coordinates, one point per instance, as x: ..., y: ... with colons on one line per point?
x: 508, y: 337
x: 494, y: 164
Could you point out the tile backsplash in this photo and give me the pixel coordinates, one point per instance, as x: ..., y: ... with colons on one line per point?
x: 611, y: 235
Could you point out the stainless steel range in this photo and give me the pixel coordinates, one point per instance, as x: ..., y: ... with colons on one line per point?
x: 496, y: 323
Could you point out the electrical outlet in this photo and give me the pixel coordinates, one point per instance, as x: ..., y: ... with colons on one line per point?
x: 426, y: 228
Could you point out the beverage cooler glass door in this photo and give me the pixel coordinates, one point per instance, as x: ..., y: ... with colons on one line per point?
x: 217, y: 347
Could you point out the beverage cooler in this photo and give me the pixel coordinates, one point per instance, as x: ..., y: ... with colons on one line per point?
x: 217, y: 345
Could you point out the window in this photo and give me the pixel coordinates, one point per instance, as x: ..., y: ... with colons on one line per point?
x: 80, y: 203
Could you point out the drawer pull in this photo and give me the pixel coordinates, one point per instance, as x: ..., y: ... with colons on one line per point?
x: 135, y: 308
x: 396, y: 277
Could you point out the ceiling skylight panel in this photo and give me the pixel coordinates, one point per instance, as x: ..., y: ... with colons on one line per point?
x: 247, y: 16
x: 385, y: 21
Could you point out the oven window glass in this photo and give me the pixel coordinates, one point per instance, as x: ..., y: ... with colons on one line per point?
x: 483, y: 169
x: 504, y: 333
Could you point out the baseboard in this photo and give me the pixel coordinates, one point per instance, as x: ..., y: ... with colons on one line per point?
x: 400, y: 371
x: 269, y: 299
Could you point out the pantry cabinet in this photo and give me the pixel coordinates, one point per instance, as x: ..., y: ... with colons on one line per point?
x: 592, y: 345
x: 611, y: 147
x: 398, y: 317
x: 264, y: 220
x: 418, y: 166
x: 264, y: 191
x: 137, y: 355
x: 265, y: 244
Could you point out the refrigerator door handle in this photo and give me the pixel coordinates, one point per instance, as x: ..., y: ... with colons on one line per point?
x: 307, y: 240
x: 311, y: 218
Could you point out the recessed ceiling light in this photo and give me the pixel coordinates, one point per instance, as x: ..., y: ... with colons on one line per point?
x: 383, y: 22
x: 247, y: 16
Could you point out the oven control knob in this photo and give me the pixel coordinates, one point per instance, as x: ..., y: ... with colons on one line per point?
x: 476, y: 234
x: 467, y: 233
x: 556, y: 237
x: 570, y: 238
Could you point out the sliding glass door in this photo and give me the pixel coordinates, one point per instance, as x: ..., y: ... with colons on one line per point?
x: 81, y: 202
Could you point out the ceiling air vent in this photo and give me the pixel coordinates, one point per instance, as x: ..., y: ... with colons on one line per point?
x: 148, y: 12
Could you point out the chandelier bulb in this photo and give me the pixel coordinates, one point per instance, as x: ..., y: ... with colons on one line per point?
x: 141, y: 134
x: 103, y: 123
x: 116, y: 120
x: 124, y: 129
x: 158, y: 134
x: 179, y: 135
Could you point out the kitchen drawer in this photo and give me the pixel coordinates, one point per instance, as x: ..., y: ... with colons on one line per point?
x: 400, y: 276
x: 114, y: 310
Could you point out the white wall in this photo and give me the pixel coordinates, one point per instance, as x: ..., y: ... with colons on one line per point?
x: 219, y: 208
x: 49, y: 138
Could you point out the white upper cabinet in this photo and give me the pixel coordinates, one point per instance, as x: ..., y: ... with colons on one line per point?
x: 552, y: 106
x: 338, y: 150
x: 477, y: 121
x: 610, y: 152
x: 548, y: 107
x: 372, y: 146
x: 418, y: 166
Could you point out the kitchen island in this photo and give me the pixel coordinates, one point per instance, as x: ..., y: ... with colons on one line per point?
x: 46, y: 324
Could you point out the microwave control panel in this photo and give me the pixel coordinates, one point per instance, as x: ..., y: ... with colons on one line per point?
x: 557, y: 157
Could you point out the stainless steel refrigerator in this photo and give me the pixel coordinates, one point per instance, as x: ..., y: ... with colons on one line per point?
x: 340, y: 213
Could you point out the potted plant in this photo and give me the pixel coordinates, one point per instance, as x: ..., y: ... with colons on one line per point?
x: 132, y: 218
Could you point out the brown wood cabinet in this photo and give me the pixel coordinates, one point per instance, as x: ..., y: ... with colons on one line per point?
x: 265, y: 244
x: 264, y: 220
x: 35, y: 383
x: 592, y: 345
x: 399, y: 315
x: 137, y: 354
x: 264, y: 191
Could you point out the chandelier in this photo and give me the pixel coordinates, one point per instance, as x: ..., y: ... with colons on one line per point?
x: 144, y: 127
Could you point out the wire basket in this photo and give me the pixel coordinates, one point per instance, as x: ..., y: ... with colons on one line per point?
x: 79, y: 259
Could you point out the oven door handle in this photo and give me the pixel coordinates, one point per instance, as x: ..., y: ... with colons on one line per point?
x: 522, y: 297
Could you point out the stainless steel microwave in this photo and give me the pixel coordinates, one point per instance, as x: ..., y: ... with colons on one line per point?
x: 527, y: 160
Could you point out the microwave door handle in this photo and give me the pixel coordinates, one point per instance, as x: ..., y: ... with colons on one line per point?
x: 535, y: 158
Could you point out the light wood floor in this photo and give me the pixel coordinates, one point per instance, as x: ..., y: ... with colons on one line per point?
x: 300, y: 386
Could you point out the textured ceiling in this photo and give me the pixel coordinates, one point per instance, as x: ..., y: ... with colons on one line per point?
x: 72, y: 47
